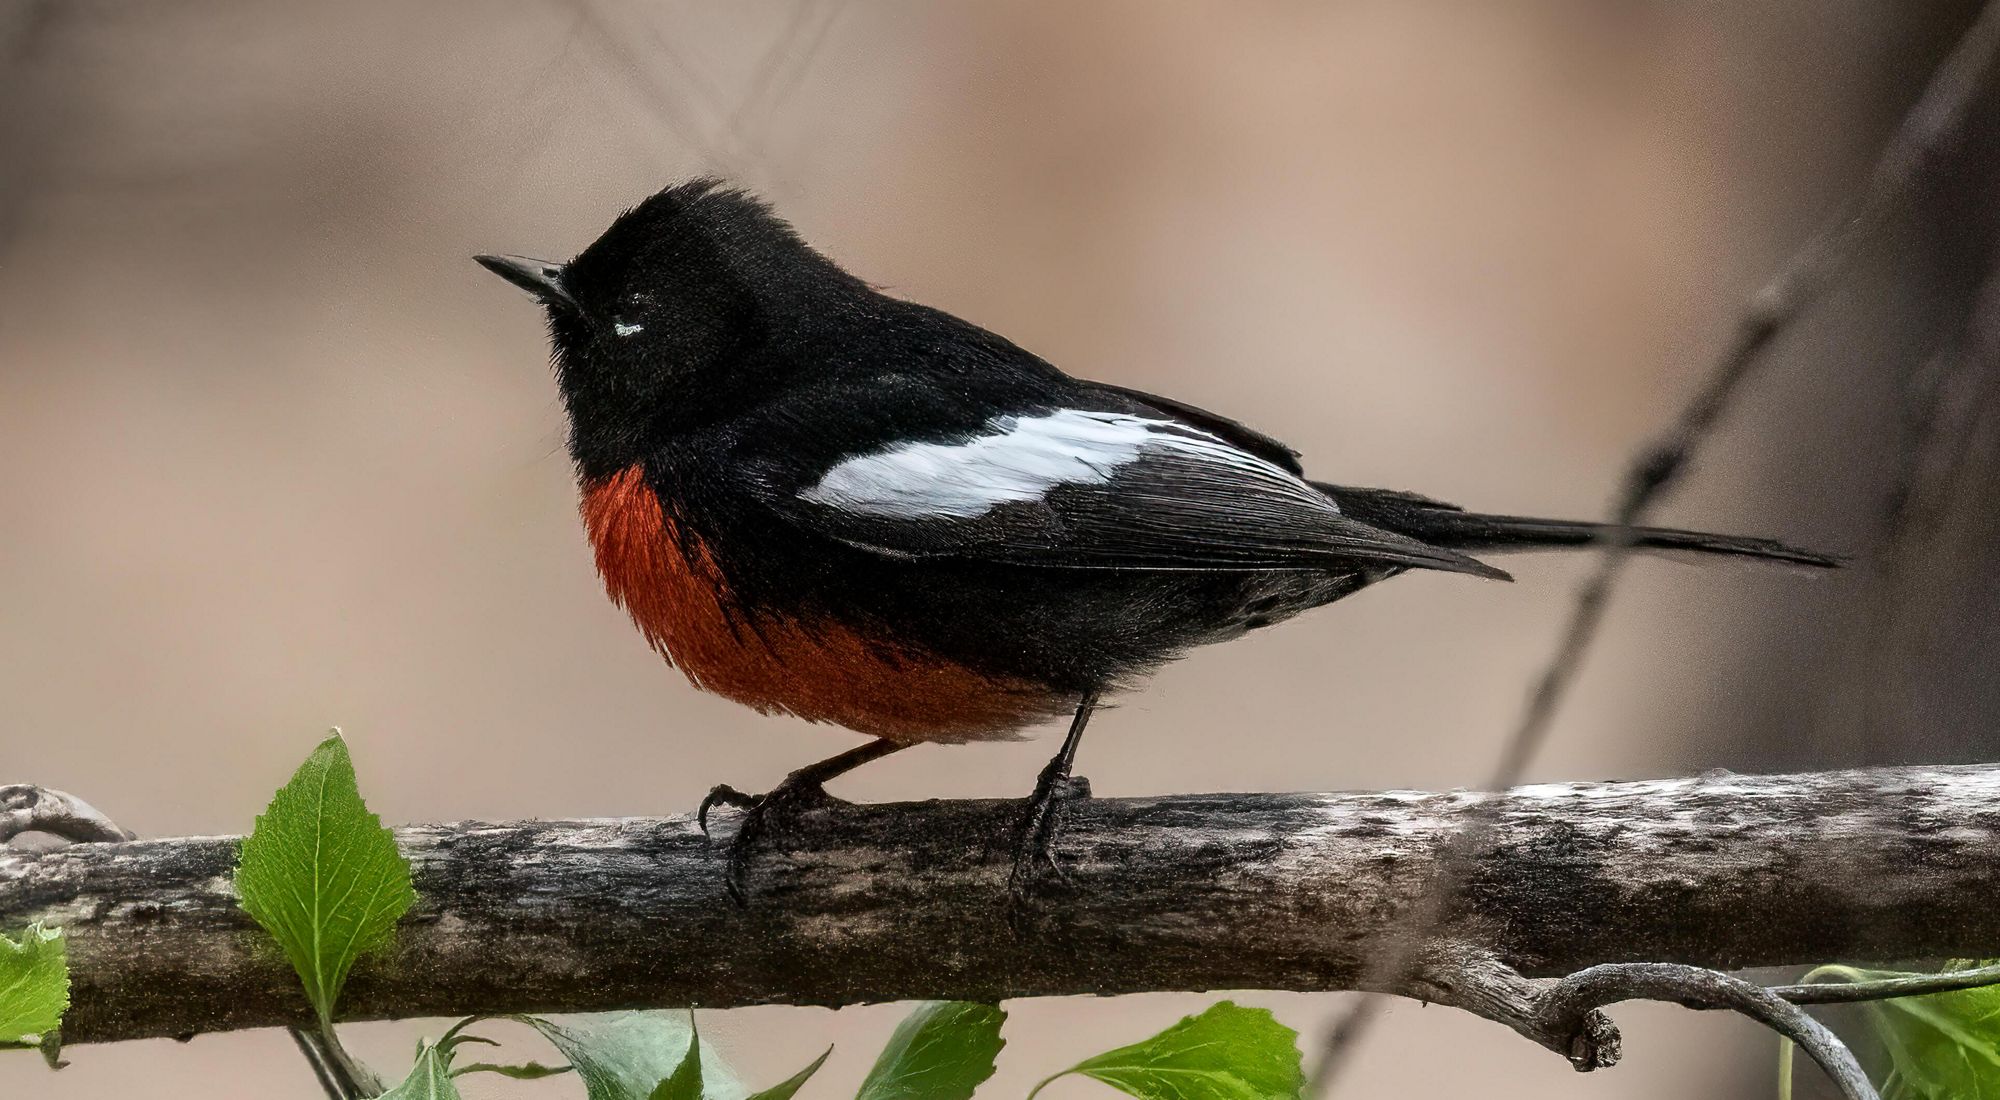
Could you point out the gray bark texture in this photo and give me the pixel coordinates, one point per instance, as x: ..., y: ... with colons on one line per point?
x: 874, y: 903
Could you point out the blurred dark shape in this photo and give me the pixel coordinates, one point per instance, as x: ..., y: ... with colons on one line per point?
x: 1893, y: 404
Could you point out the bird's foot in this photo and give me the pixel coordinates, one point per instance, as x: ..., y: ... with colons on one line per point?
x: 722, y: 794
x: 763, y: 814
x: 1035, y: 863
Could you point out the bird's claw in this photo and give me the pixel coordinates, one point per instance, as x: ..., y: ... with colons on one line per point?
x: 761, y: 813
x: 1035, y: 864
x: 723, y: 795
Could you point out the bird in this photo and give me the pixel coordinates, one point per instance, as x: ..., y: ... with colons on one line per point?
x: 822, y: 500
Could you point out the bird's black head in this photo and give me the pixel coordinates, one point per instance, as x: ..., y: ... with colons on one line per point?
x: 663, y: 323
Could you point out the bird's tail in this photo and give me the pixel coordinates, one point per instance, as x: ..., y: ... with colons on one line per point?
x: 1449, y: 526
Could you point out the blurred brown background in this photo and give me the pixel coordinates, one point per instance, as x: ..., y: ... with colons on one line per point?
x: 274, y: 455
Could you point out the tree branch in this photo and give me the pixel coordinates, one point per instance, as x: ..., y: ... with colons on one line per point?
x: 28, y: 809
x: 1186, y: 893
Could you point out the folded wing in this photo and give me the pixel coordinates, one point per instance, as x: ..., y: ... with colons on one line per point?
x: 1091, y: 488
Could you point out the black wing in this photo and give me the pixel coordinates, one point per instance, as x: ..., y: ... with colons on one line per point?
x: 1270, y: 448
x: 1102, y: 482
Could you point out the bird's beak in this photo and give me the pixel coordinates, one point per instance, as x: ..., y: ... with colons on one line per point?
x: 538, y: 277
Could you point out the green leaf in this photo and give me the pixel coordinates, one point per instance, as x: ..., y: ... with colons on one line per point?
x: 1945, y: 1046
x: 430, y: 1079
x: 626, y: 1055
x: 34, y: 989
x: 322, y: 875
x: 1226, y: 1053
x: 790, y: 1086
x: 685, y: 1084
x: 942, y: 1051
x: 526, y: 1071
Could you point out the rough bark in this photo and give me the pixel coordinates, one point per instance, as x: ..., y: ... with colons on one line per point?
x: 1185, y: 893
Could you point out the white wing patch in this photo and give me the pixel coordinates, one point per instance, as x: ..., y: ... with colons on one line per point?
x: 1022, y: 459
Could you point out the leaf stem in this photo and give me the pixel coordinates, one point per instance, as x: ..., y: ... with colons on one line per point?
x: 322, y: 1069
x: 352, y: 1073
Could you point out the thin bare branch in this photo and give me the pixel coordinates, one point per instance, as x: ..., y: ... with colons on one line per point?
x: 1919, y: 144
x: 1565, y: 1009
x: 1473, y: 978
x: 313, y: 1049
x: 1883, y: 989
x: 30, y: 809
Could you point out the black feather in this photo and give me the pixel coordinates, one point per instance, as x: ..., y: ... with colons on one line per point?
x: 1448, y: 525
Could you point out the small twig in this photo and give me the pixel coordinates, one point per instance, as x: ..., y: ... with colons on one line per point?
x: 1566, y: 1007
x: 30, y: 809
x: 1473, y: 978
x: 1911, y: 150
x: 1883, y: 989
x: 1564, y: 1015
x: 341, y: 1075
x: 355, y: 1076
x: 322, y: 1066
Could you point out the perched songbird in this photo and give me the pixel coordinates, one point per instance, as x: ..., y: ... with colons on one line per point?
x: 819, y: 500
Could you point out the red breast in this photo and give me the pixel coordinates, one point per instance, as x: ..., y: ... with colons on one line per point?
x: 819, y: 670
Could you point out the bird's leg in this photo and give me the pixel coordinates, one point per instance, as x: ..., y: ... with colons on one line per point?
x: 1034, y: 848
x: 800, y: 791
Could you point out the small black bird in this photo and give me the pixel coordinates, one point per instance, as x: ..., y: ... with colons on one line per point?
x: 819, y: 500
